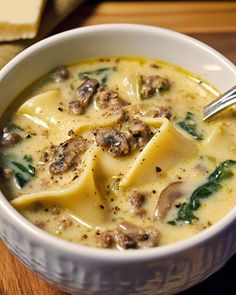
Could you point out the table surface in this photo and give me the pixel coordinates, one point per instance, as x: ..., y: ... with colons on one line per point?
x: 211, y: 22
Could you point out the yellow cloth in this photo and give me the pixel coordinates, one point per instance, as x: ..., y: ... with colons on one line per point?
x: 54, y: 12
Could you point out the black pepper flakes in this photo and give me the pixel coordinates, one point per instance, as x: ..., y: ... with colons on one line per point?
x: 178, y: 205
x: 71, y: 132
x: 74, y: 178
x: 158, y: 169
x: 101, y: 206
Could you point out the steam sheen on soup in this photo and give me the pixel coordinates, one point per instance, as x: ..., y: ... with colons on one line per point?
x: 113, y: 153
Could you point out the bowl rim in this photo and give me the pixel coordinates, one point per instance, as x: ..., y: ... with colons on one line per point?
x: 69, y: 248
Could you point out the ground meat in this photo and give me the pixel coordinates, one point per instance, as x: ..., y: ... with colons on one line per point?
x: 106, y: 240
x: 112, y: 140
x: 83, y: 96
x: 106, y: 98
x: 151, y: 238
x: 144, y: 237
x: 48, y: 154
x: 136, y: 200
x: 6, y: 173
x: 75, y: 108
x: 60, y: 74
x: 137, y: 133
x: 9, y: 138
x: 129, y: 236
x: 133, y: 230
x: 109, y: 99
x: 124, y: 241
x: 164, y: 112
x: 153, y: 84
x: 64, y: 223
x: 66, y: 154
x: 75, y: 144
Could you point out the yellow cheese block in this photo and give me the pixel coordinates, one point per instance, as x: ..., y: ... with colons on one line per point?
x: 19, y: 19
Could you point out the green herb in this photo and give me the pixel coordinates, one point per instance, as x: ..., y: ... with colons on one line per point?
x: 185, y: 213
x: 29, y: 170
x: 83, y: 75
x: 222, y: 172
x: 189, y: 125
x: 15, y: 126
x: 20, y: 166
x: 28, y: 158
x: 172, y: 222
x: 19, y: 130
x: 21, y: 181
x: 99, y: 74
x: 204, y: 191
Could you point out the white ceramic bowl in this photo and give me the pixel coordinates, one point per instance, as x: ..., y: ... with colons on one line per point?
x: 82, y: 270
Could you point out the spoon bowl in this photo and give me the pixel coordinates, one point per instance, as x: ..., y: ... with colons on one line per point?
x: 224, y: 101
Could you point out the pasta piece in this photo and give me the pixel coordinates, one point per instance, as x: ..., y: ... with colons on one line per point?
x: 44, y: 110
x: 47, y: 111
x: 166, y: 149
x: 83, y: 199
x: 221, y: 138
x: 95, y: 123
x: 129, y: 85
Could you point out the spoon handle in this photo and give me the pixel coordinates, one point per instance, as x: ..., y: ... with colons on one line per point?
x: 223, y: 101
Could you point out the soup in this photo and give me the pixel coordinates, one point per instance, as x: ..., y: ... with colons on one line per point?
x: 113, y: 153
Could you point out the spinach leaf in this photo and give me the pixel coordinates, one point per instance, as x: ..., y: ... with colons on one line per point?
x: 172, y: 222
x: 28, y: 158
x: 212, y: 185
x: 19, y: 130
x: 15, y: 126
x: 222, y: 172
x: 21, y: 181
x: 189, y: 125
x: 185, y: 213
x: 20, y: 166
x: 27, y: 171
x: 100, y: 74
x: 203, y: 192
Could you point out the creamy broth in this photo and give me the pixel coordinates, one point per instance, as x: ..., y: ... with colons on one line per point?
x: 113, y: 153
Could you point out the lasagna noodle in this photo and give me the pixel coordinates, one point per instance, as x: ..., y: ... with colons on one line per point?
x: 166, y: 149
x: 44, y: 110
x: 83, y: 198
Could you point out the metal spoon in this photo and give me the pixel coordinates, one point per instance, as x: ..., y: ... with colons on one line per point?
x: 222, y: 102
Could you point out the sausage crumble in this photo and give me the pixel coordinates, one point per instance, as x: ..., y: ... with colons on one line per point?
x: 9, y: 138
x: 66, y: 154
x: 112, y: 140
x: 150, y: 85
x: 83, y: 96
